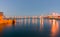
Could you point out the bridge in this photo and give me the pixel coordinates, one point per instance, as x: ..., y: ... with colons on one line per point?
x: 51, y: 16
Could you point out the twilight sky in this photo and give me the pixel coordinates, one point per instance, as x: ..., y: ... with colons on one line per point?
x: 29, y: 7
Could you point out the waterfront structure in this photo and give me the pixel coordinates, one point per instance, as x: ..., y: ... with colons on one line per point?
x: 4, y: 21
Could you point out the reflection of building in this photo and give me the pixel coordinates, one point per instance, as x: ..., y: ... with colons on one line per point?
x: 1, y: 13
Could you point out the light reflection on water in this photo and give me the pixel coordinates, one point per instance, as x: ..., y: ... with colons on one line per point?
x: 41, y: 24
x: 54, y: 28
x: 32, y: 27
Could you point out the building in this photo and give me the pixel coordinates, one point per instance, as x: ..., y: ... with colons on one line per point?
x: 1, y: 13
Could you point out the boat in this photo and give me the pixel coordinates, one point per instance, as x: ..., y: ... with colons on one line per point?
x: 7, y: 21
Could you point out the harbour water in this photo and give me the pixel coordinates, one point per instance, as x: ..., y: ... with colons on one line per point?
x: 31, y: 28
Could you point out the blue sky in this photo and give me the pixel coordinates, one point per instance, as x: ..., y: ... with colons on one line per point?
x: 29, y: 7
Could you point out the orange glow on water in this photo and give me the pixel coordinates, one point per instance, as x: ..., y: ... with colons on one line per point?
x: 54, y: 29
x: 1, y: 28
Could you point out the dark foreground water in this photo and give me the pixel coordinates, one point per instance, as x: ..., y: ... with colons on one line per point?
x: 31, y: 28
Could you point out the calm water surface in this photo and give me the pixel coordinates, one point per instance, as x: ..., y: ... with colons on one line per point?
x: 31, y: 28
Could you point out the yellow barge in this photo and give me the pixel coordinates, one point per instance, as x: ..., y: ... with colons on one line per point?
x: 7, y: 21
